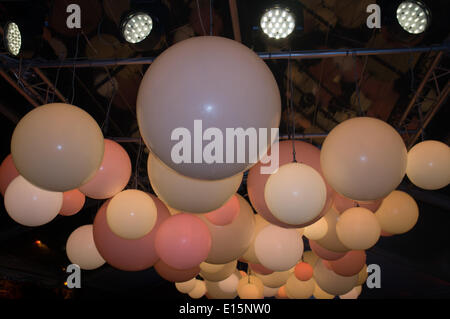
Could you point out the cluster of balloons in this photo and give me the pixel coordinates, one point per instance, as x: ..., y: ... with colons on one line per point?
x: 196, y: 228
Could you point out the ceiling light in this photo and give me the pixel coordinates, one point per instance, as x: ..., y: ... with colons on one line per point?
x: 136, y: 27
x: 13, y: 38
x: 277, y: 23
x: 413, y: 16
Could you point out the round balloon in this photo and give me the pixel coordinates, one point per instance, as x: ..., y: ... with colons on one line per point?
x: 303, y: 271
x: 29, y: 205
x: 234, y: 89
x: 190, y: 194
x: 186, y: 286
x: 57, y: 147
x: 8, y: 172
x: 318, y: 230
x: 363, y: 158
x: 113, y: 174
x: 225, y: 214
x: 331, y: 241
x: 250, y: 255
x: 299, y: 289
x: 270, y: 292
x: 81, y: 249
x: 352, y: 294
x: 260, y: 269
x: 275, y: 279
x: 428, y: 165
x: 331, y: 282
x: 199, y: 290
x: 211, y: 272
x: 349, y: 265
x: 325, y: 253
x: 73, y: 202
x: 342, y: 203
x: 175, y: 275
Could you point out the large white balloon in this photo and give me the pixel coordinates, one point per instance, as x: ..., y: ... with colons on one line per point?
x: 81, y: 249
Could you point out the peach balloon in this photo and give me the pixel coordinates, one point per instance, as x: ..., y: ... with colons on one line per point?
x: 398, y: 213
x: 73, y: 202
x: 342, y: 203
x: 211, y: 272
x: 429, y: 165
x: 250, y: 281
x: 275, y: 279
x: 189, y: 194
x: 316, y: 231
x: 126, y: 254
x: 226, y: 213
x: 352, y: 294
x: 358, y: 228
x: 270, y: 292
x: 320, y: 294
x: 81, y: 249
x: 362, y: 276
x: 199, y: 290
x: 363, y: 158
x: 331, y: 282
x: 295, y: 194
x: 303, y: 271
x: 305, y: 153
x: 175, y: 275
x: 299, y: 289
x: 225, y: 289
x: 325, y: 253
x: 7, y: 173
x: 185, y: 286
x: 349, y: 265
x: 131, y: 214
x: 331, y: 241
x: 30, y: 205
x: 282, y: 294
x: 57, y: 147
x: 260, y: 269
x: 249, y: 291
x: 113, y: 174
x: 249, y: 256
x: 183, y: 241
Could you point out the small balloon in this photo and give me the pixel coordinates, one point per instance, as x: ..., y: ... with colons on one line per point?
x: 299, y: 289
x: 175, y: 275
x: 331, y: 282
x: 303, y: 271
x: 73, y: 202
x: 226, y: 213
x: 349, y: 265
x: 8, y: 172
x: 199, y: 290
x: 275, y: 279
x: 342, y: 203
x: 81, y: 249
x: 186, y: 286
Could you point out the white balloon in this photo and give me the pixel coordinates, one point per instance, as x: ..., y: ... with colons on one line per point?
x: 81, y: 249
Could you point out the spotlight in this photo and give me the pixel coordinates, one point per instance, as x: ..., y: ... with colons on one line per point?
x: 413, y: 16
x: 277, y: 23
x: 136, y: 27
x: 12, y: 38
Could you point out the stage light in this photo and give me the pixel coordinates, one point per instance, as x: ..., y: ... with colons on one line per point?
x: 277, y: 23
x: 413, y: 16
x: 13, y: 38
x: 136, y: 27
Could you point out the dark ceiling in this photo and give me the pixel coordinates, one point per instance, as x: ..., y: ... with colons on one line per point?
x: 414, y: 265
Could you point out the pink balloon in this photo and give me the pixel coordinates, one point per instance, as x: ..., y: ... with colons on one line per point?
x: 324, y: 253
x: 183, y: 241
x: 260, y: 269
x: 73, y: 202
x: 113, y: 174
x: 342, y: 203
x: 8, y: 172
x: 225, y: 214
x: 349, y: 265
x: 175, y: 275
x: 305, y: 153
x: 126, y: 254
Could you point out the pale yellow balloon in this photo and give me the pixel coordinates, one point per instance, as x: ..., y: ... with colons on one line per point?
x: 81, y: 249
x: 363, y: 158
x: 295, y: 194
x: 362, y: 276
x: 186, y: 286
x: 250, y: 255
x: 331, y: 282
x: 199, y: 290
x: 297, y: 289
x: 225, y: 289
x: 189, y: 194
x: 331, y: 241
x: 318, y: 230
x: 249, y: 291
x: 320, y: 294
x: 275, y: 279
x: 57, y: 147
x: 310, y: 257
x: 398, y: 213
x: 30, y: 205
x: 278, y: 248
x: 352, y: 294
x: 131, y: 214
x: 358, y: 228
x: 213, y: 272
x: 229, y: 285
x: 270, y: 292
x: 429, y: 165
x: 253, y: 280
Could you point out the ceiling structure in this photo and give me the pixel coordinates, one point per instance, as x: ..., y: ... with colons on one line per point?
x: 99, y: 72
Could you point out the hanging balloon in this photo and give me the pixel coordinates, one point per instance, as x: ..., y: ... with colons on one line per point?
x: 303, y: 271
x: 331, y: 282
x: 250, y: 287
x: 175, y: 275
x: 342, y: 203
x: 282, y: 294
x: 358, y: 228
x: 81, y: 249
x: 189, y: 194
x: 199, y: 290
x: 229, y: 242
x: 298, y: 289
x: 183, y: 241
x: 126, y: 254
x: 260, y: 269
x: 363, y: 158
x: 186, y: 286
x: 270, y: 292
x: 73, y: 202
x: 226, y: 213
x: 352, y: 294
x: 8, y: 172
x: 224, y: 289
x: 241, y: 93
x: 250, y: 255
x: 325, y: 253
x: 57, y: 147
x: 29, y: 205
x: 428, y: 165
x: 398, y: 213
x: 305, y: 153
x: 349, y: 265
x: 316, y: 231
x: 275, y: 279
x: 320, y: 294
x: 113, y: 174
x: 331, y: 241
x: 211, y: 272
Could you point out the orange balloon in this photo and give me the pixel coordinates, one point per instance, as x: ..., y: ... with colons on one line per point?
x: 325, y: 253
x: 73, y: 202
x: 342, y: 203
x: 303, y: 271
x: 175, y: 275
x: 281, y: 294
x: 349, y: 265
x: 225, y: 214
x: 7, y: 173
x: 305, y: 153
x: 113, y: 174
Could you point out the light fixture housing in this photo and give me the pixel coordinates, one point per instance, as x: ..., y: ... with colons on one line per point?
x: 136, y: 27
x: 277, y: 22
x: 12, y: 38
x: 413, y: 16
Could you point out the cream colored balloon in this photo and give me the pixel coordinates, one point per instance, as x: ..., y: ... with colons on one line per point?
x: 186, y: 286
x: 250, y: 255
x: 331, y: 282
x: 352, y: 294
x: 320, y: 294
x: 81, y: 249
x: 331, y: 241
x: 270, y: 292
x: 310, y: 257
x: 225, y: 289
x: 362, y: 276
x: 297, y: 289
x: 57, y: 147
x: 229, y: 285
x: 131, y: 214
x: 278, y: 248
x: 213, y: 272
x: 358, y: 228
x: 249, y: 291
x: 429, y: 165
x: 275, y: 279
x: 189, y: 194
x: 229, y: 242
x: 398, y: 213
x: 251, y: 279
x: 318, y: 230
x: 199, y: 290
x: 363, y: 158
x: 30, y: 205
x: 295, y: 194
